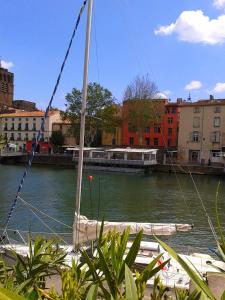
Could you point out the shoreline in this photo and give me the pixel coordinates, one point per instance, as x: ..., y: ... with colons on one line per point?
x: 61, y: 160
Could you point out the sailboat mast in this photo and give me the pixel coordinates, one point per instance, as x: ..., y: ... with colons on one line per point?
x: 82, y: 125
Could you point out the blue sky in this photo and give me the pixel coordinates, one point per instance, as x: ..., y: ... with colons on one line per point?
x: 180, y: 43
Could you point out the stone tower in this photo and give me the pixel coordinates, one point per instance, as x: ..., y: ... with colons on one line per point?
x: 6, y: 87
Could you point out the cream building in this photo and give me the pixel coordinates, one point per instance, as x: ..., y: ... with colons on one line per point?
x: 201, y: 136
x: 22, y: 126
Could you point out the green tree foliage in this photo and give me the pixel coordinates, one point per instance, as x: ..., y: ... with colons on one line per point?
x: 57, y: 138
x: 101, y: 113
x: 2, y: 141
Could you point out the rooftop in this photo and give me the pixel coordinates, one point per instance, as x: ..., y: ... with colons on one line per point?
x: 38, y: 113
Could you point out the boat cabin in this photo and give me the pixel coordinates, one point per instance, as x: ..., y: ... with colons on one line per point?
x: 115, y: 156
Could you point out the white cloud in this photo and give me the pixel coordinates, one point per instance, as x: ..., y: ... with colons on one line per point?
x: 193, y: 85
x: 167, y: 92
x: 219, y: 3
x: 7, y: 64
x: 219, y: 87
x: 160, y: 96
x: 195, y: 27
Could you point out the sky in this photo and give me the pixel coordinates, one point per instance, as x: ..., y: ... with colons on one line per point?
x: 179, y: 43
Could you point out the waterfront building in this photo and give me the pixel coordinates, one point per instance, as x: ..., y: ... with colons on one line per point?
x: 22, y: 126
x: 113, y: 138
x: 6, y: 87
x: 202, y: 131
x: 155, y: 125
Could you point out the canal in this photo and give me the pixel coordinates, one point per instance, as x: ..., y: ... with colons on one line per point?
x: 156, y: 197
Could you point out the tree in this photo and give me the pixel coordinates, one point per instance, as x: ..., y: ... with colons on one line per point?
x: 2, y: 141
x: 141, y: 88
x: 140, y: 109
x: 101, y: 113
x: 57, y: 139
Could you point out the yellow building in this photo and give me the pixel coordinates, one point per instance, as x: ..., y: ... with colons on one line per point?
x: 201, y: 136
x: 112, y: 138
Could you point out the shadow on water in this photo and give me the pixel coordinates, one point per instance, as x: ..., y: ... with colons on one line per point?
x: 114, y: 196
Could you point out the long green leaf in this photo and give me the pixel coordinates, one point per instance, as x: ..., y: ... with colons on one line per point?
x: 8, y: 295
x: 92, y: 293
x: 131, y: 256
x: 115, y: 263
x: 107, y: 273
x: 122, y: 246
x: 23, y: 285
x: 200, y: 284
x: 223, y: 296
x: 94, y: 273
x: 131, y: 289
x: 149, y: 274
x: 101, y: 233
x: 150, y: 266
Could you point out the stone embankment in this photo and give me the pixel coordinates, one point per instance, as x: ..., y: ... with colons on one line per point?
x: 66, y: 161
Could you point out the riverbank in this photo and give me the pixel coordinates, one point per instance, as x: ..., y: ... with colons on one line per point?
x: 62, y: 160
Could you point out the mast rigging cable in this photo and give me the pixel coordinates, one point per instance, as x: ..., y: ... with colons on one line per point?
x: 32, y: 152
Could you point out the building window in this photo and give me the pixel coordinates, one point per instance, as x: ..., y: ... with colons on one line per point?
x: 156, y: 141
x: 27, y: 119
x: 5, y: 127
x: 12, y: 137
x: 147, y: 129
x: 26, y: 137
x: 196, y: 136
x: 196, y: 122
x: 169, y: 142
x: 217, y: 109
x: 19, y: 126
x: 170, y: 131
x: 147, y: 141
x: 216, y: 122
x: 19, y: 137
x: 131, y: 141
x: 6, y: 119
x: 26, y: 126
x: 4, y: 87
x: 34, y: 119
x: 34, y: 127
x: 174, y: 110
x: 215, y: 137
x: 12, y: 126
x: 156, y: 129
x: 170, y: 120
x: 196, y: 109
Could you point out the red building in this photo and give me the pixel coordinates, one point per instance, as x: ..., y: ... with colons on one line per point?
x: 150, y: 123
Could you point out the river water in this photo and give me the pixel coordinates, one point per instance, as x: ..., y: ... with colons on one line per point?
x: 156, y: 197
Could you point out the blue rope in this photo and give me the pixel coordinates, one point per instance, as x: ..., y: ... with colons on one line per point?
x: 34, y: 146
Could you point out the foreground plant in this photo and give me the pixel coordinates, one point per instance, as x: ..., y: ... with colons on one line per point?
x: 30, y: 272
